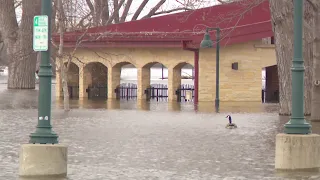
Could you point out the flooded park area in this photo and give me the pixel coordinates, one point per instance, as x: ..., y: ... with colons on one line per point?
x: 149, y: 140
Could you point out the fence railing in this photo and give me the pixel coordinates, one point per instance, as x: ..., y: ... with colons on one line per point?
x: 73, y: 92
x: 157, y: 92
x: 185, y: 92
x: 97, y: 91
x: 126, y: 91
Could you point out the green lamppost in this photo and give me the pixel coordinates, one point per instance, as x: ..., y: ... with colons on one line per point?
x: 297, y: 123
x: 44, y: 133
x: 207, y: 43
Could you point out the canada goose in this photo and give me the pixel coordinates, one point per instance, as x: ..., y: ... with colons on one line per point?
x: 230, y: 125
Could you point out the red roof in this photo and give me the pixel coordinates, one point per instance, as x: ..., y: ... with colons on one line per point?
x: 239, y: 22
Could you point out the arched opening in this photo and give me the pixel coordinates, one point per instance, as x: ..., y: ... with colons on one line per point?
x: 72, y: 76
x: 124, y: 81
x: 155, y: 81
x: 96, y: 80
x: 270, y: 84
x: 184, y: 81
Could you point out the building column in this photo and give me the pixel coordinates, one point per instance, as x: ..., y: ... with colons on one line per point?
x: 58, y: 85
x: 143, y: 82
x: 174, y: 82
x: 113, y: 81
x: 142, y: 104
x: 174, y: 106
x: 85, y: 79
x: 113, y: 104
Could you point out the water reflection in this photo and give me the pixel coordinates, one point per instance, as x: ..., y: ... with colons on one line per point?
x: 28, y: 99
x: 142, y: 104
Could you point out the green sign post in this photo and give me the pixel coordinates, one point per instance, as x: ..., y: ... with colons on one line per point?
x: 41, y: 36
x: 40, y: 33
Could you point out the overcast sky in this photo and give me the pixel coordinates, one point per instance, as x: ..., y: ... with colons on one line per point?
x: 170, y: 4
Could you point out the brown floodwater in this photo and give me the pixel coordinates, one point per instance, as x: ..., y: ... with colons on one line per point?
x: 149, y: 140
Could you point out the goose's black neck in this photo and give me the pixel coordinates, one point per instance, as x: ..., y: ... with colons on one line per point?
x: 230, y: 120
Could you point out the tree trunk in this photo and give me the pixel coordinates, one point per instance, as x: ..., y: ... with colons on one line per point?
x: 63, y: 72
x: 63, y: 69
x: 21, y: 57
x: 116, y: 11
x: 315, y: 113
x: 105, y: 12
x: 282, y: 20
x: 3, y: 52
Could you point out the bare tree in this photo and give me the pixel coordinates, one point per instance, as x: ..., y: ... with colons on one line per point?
x: 18, y: 40
x: 315, y: 101
x: 61, y: 66
x: 282, y: 20
x: 103, y: 14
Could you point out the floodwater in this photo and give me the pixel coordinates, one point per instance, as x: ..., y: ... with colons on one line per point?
x: 149, y: 141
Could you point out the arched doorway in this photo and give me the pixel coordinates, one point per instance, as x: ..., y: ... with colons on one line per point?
x: 124, y: 81
x: 72, y: 76
x: 183, y: 81
x: 96, y: 80
x: 155, y: 81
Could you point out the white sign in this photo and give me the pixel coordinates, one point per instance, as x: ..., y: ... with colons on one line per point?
x: 40, y: 33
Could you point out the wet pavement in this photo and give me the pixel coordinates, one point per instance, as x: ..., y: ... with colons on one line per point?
x: 156, y: 140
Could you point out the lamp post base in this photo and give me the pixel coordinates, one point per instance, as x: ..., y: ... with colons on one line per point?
x: 40, y: 138
x: 304, y: 128
x: 38, y: 160
x: 297, y: 152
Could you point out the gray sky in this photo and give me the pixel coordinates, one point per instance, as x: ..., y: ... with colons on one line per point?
x: 170, y: 4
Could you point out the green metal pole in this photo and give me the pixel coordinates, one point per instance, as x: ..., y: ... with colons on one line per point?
x: 44, y: 133
x: 297, y: 123
x: 217, y: 100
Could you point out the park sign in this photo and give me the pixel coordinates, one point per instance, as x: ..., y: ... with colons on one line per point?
x: 40, y: 33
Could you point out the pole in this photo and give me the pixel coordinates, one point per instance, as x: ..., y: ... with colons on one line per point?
x: 297, y: 123
x: 207, y: 43
x: 44, y: 133
x: 196, y: 77
x: 162, y: 71
x: 217, y: 100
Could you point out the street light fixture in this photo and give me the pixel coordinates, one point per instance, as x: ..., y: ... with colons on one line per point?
x: 208, y: 43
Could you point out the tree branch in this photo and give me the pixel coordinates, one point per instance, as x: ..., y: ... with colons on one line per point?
x: 313, y: 4
x: 139, y: 10
x: 90, y: 5
x: 221, y: 1
x: 169, y: 11
x: 105, y: 12
x: 154, y: 9
x: 125, y: 11
x: 116, y: 6
x: 114, y: 14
